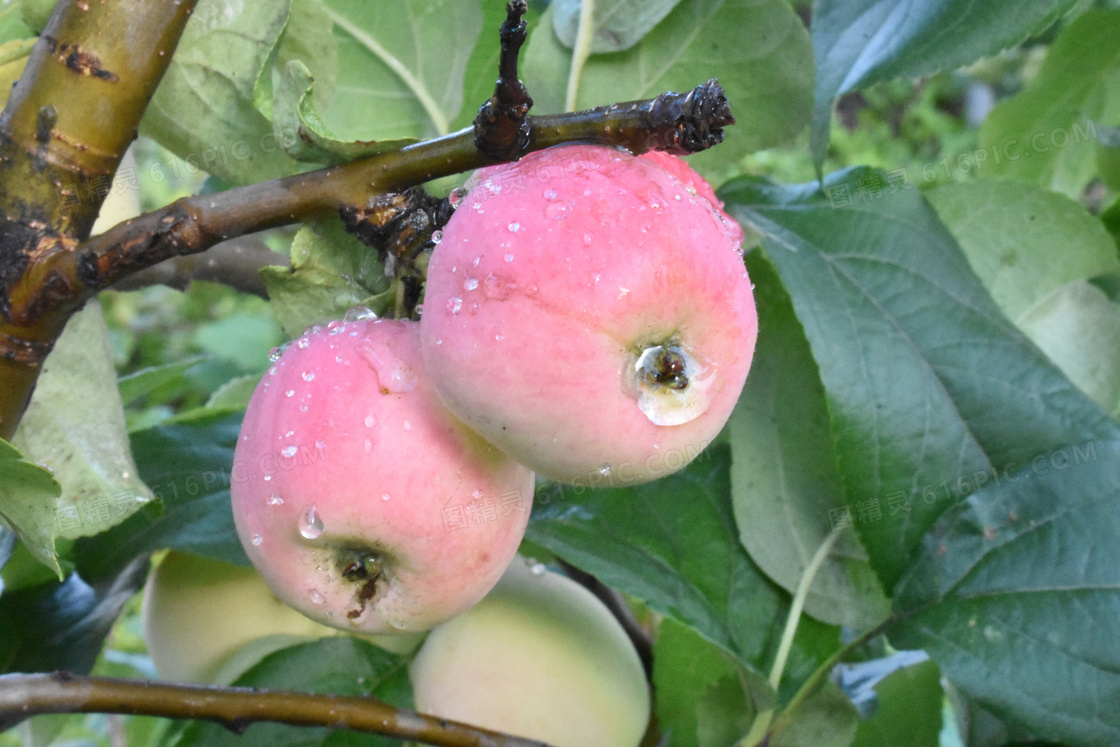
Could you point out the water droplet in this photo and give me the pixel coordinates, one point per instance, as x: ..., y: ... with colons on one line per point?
x: 385, y: 496
x: 499, y: 337
x: 257, y: 540
x: 605, y: 470
x: 470, y: 284
x: 308, y: 376
x: 289, y: 451
x: 303, y: 408
x: 476, y: 494
x: 623, y: 292
x: 267, y: 478
x: 370, y: 421
x: 320, y: 444
x: 514, y: 227
x: 549, y: 194
x: 359, y: 314
x: 303, y: 343
x: 558, y: 210
x: 419, y: 309
x: 274, y: 500
x: 454, y: 304
x: 670, y: 385
x: 368, y: 445
x: 310, y: 525
x: 275, y: 353
x: 439, y: 341
x: 537, y: 569
x: 588, y: 238
x: 406, y: 425
x: 476, y: 261
x: 477, y: 206
x: 509, y: 258
x: 317, y: 597
x: 290, y: 393
x: 656, y: 445
x: 335, y: 326
x: 437, y: 236
x: 456, y: 197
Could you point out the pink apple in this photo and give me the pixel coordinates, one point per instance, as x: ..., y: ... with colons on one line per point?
x: 589, y: 312
x: 361, y: 500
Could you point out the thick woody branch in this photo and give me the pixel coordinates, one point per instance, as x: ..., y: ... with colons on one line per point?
x: 25, y: 695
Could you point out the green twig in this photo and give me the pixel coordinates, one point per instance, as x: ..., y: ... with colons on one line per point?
x: 581, y: 50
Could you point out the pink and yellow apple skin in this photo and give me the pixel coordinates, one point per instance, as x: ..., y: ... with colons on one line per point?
x: 360, y: 499
x: 589, y: 312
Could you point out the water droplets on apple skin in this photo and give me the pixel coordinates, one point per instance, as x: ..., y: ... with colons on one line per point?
x: 670, y: 384
x: 311, y: 524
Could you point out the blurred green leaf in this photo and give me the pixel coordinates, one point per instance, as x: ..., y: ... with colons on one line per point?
x: 234, y: 394
x: 331, y: 272
x: 701, y: 689
x: 143, y: 382
x: 783, y: 476
x: 617, y: 24
x: 12, y: 25
x: 1024, y: 242
x: 75, y: 426
x: 27, y: 504
x: 401, y: 66
x: 1009, y: 589
x: 908, y: 710
x: 825, y: 719
x: 308, y: 38
x: 679, y: 553
x: 860, y: 42
x: 339, y: 666
x: 759, y: 50
x: 295, y: 111
x: 1046, y: 133
x: 243, y: 339
x: 931, y: 391
x: 205, y: 107
x: 189, y: 466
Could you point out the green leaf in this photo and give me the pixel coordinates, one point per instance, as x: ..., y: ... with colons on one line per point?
x: 331, y: 272
x: 205, y: 107
x: 12, y: 25
x: 827, y: 719
x: 338, y: 666
x: 1010, y: 588
x: 27, y: 504
x: 691, y: 677
x: 295, y: 111
x: 1046, y: 133
x: 616, y: 24
x: 673, y: 544
x: 759, y: 50
x: 1022, y: 241
x: 145, y: 381
x: 189, y: 466
x: 783, y: 477
x: 931, y: 390
x: 75, y: 426
x: 401, y: 66
x: 309, y: 38
x: 908, y: 710
x: 234, y: 394
x: 860, y: 42
x: 1078, y: 327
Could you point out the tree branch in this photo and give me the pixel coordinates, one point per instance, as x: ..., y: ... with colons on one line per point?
x: 235, y: 263
x: 236, y: 708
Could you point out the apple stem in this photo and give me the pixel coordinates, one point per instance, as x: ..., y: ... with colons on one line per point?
x: 25, y: 695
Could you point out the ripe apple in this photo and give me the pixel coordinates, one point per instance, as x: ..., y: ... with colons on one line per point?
x: 206, y: 620
x: 538, y: 657
x: 361, y: 500
x: 588, y: 312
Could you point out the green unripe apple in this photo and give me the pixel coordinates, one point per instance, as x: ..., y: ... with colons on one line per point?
x: 207, y: 621
x: 540, y: 657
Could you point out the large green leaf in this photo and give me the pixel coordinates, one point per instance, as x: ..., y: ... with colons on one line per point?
x: 615, y: 24
x: 860, y: 42
x: 75, y: 426
x: 907, y: 710
x: 1047, y: 133
x: 758, y: 49
x: 1013, y: 592
x: 189, y: 466
x: 674, y: 545
x: 1022, y: 241
x: 931, y: 391
x: 27, y: 504
x: 401, y: 66
x: 784, y: 481
x: 337, y: 666
x: 205, y: 107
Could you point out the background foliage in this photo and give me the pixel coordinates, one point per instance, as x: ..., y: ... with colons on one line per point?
x: 938, y: 362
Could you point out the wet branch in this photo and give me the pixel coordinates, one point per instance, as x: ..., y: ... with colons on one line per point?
x: 236, y: 708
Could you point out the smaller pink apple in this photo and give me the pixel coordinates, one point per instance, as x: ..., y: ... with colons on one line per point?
x: 360, y: 499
